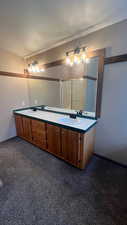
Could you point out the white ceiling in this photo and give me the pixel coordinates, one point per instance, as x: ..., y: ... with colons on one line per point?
x: 31, y: 26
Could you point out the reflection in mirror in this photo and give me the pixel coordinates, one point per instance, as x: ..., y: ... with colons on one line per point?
x: 77, y: 89
x: 92, y: 67
x: 79, y: 94
x: 44, y: 92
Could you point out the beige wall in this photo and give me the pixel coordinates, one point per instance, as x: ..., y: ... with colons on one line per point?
x: 111, y: 137
x: 10, y: 62
x: 15, y: 93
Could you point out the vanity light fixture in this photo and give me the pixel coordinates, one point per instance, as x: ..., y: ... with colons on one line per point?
x: 34, y: 68
x: 76, y: 56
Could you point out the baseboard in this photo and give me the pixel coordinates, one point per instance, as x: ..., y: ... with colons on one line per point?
x: 8, y: 139
x: 110, y: 160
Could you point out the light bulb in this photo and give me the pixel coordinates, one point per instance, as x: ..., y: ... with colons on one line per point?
x: 36, y: 69
x: 29, y: 69
x: 71, y: 63
x: 68, y: 61
x: 78, y: 61
x: 42, y: 70
x: 83, y: 57
x: 75, y: 59
x: 33, y: 69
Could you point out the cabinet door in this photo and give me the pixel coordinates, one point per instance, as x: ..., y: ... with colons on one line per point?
x: 53, y: 139
x: 71, y: 146
x: 19, y: 125
x: 27, y: 135
x: 39, y: 133
x: 87, y: 147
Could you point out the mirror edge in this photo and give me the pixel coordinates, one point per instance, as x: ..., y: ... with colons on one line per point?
x: 101, y: 54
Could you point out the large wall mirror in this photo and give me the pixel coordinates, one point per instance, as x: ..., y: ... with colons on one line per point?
x: 79, y: 87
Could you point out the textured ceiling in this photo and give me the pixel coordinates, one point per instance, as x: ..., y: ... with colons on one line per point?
x: 28, y: 26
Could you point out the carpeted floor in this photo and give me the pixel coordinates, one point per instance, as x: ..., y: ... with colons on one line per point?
x: 40, y: 189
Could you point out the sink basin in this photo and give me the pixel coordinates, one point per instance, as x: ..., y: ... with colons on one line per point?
x: 68, y: 121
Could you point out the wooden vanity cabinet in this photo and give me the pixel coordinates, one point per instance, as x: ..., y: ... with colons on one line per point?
x: 23, y: 127
x: 54, y: 139
x: 72, y: 146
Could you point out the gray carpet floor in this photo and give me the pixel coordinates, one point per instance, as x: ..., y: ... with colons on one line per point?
x: 40, y: 189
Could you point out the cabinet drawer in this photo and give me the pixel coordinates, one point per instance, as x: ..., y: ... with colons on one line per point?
x: 39, y: 133
x: 38, y: 126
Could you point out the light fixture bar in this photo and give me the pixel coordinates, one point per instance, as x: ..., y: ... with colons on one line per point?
x: 76, y: 56
x: 34, y: 68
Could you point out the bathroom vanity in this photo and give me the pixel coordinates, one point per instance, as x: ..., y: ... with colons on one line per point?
x: 51, y: 128
x: 69, y: 139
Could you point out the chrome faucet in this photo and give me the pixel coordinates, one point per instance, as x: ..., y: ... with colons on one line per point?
x: 79, y: 113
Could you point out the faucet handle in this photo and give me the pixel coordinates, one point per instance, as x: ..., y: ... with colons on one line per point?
x: 79, y: 112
